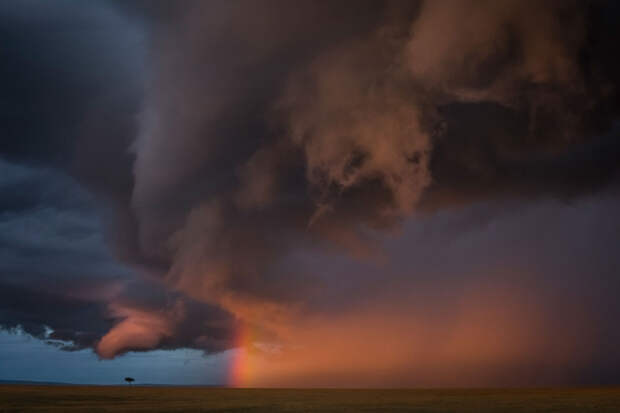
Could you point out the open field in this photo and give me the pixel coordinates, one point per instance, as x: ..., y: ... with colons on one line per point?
x: 14, y: 398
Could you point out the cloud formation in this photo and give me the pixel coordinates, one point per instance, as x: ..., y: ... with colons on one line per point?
x: 349, y: 137
x: 320, y: 176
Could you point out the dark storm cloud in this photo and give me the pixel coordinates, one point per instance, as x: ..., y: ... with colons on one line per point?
x: 59, y: 61
x: 477, y: 158
x: 259, y: 138
x: 72, y: 80
x: 49, y: 223
x: 269, y: 129
x: 55, y: 269
x: 71, y: 76
x: 241, y: 151
x: 59, y: 280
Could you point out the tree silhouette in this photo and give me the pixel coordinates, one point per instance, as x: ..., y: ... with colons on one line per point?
x: 129, y: 380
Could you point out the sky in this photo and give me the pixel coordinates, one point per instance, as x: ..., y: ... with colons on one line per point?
x: 311, y: 194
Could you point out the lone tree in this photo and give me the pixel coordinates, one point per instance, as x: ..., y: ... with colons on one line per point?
x: 129, y: 380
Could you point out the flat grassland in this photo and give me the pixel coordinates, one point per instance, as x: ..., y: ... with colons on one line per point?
x: 18, y: 398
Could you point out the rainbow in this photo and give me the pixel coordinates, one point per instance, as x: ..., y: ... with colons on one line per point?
x: 240, y: 373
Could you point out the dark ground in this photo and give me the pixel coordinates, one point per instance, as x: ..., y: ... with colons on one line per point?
x: 17, y: 398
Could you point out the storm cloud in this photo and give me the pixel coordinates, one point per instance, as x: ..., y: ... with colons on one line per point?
x: 424, y: 184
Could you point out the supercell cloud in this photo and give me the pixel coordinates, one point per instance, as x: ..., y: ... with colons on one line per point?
x: 352, y: 193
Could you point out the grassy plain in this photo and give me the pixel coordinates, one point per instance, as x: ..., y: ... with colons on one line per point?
x: 18, y: 398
